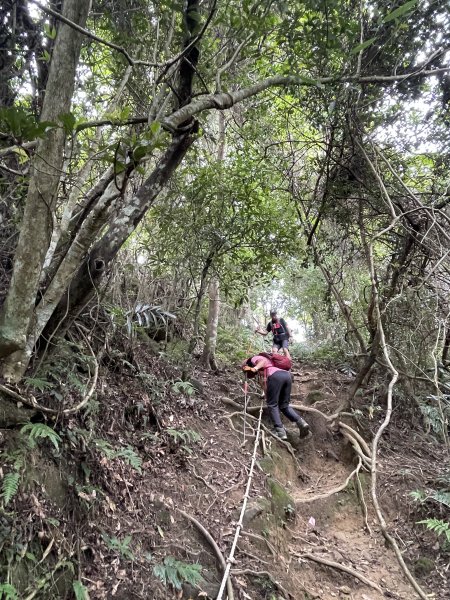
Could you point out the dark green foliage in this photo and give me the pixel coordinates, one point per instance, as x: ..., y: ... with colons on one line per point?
x: 174, y: 573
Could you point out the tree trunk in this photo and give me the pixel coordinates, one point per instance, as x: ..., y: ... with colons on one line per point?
x: 86, y: 281
x: 36, y: 226
x: 209, y: 350
x: 199, y: 299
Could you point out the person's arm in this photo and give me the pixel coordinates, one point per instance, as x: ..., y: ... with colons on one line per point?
x: 261, y: 332
x: 258, y: 366
x: 286, y: 328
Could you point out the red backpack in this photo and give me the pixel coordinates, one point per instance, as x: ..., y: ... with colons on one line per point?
x: 278, y: 360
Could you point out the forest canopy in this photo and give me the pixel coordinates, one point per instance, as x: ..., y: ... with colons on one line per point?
x: 232, y: 147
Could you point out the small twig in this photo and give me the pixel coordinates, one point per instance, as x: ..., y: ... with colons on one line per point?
x: 253, y: 556
x: 335, y: 565
x: 200, y: 478
x: 263, y: 444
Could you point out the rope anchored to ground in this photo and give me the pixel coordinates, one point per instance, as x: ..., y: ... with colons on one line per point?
x: 230, y: 559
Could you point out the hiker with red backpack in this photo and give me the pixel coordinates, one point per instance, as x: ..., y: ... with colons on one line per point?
x: 281, y: 333
x: 277, y: 382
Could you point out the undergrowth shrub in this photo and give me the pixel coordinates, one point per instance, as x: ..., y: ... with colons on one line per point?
x: 236, y: 343
x: 439, y: 526
x: 174, y: 573
x: 184, y: 438
x: 8, y: 592
x: 127, y: 453
x: 436, y: 500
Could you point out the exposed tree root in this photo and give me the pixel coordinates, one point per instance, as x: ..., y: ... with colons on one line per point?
x: 363, y: 502
x: 357, y: 448
x: 392, y: 382
x: 52, y: 411
x: 255, y: 536
x: 362, y: 442
x: 332, y: 491
x: 335, y: 565
x: 209, y: 538
x: 254, y: 409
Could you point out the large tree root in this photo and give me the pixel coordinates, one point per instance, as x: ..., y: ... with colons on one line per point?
x: 209, y: 538
x: 335, y: 565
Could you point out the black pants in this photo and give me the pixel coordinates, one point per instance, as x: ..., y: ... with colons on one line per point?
x: 278, y: 394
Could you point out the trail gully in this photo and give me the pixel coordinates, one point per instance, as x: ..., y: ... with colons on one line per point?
x: 320, y: 538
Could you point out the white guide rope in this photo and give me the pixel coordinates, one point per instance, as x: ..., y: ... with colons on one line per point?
x: 230, y: 558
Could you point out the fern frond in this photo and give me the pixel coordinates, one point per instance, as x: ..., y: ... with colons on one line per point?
x: 38, y: 383
x: 37, y: 431
x: 441, y: 497
x: 10, y: 487
x: 130, y: 457
x: 175, y: 572
x: 105, y: 447
x: 438, y: 526
x: 80, y: 591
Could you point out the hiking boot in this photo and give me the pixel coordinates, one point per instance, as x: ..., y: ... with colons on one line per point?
x: 280, y: 432
x: 303, y: 427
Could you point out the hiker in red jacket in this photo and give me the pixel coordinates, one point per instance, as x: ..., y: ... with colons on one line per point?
x: 281, y: 333
x: 277, y: 383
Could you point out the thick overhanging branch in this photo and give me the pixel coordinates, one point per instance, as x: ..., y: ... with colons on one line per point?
x: 224, y: 100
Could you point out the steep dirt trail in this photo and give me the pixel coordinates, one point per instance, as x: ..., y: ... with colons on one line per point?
x: 195, y: 466
x: 332, y: 525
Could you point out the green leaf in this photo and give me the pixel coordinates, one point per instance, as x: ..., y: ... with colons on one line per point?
x: 50, y: 32
x: 10, y: 486
x: 155, y: 127
x: 23, y: 156
x: 41, y: 431
x: 362, y: 46
x: 398, y: 12
x: 45, y: 56
x: 140, y: 152
x: 8, y: 592
x: 80, y: 591
x: 68, y: 120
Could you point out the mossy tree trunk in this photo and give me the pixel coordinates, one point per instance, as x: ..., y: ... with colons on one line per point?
x: 36, y: 228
